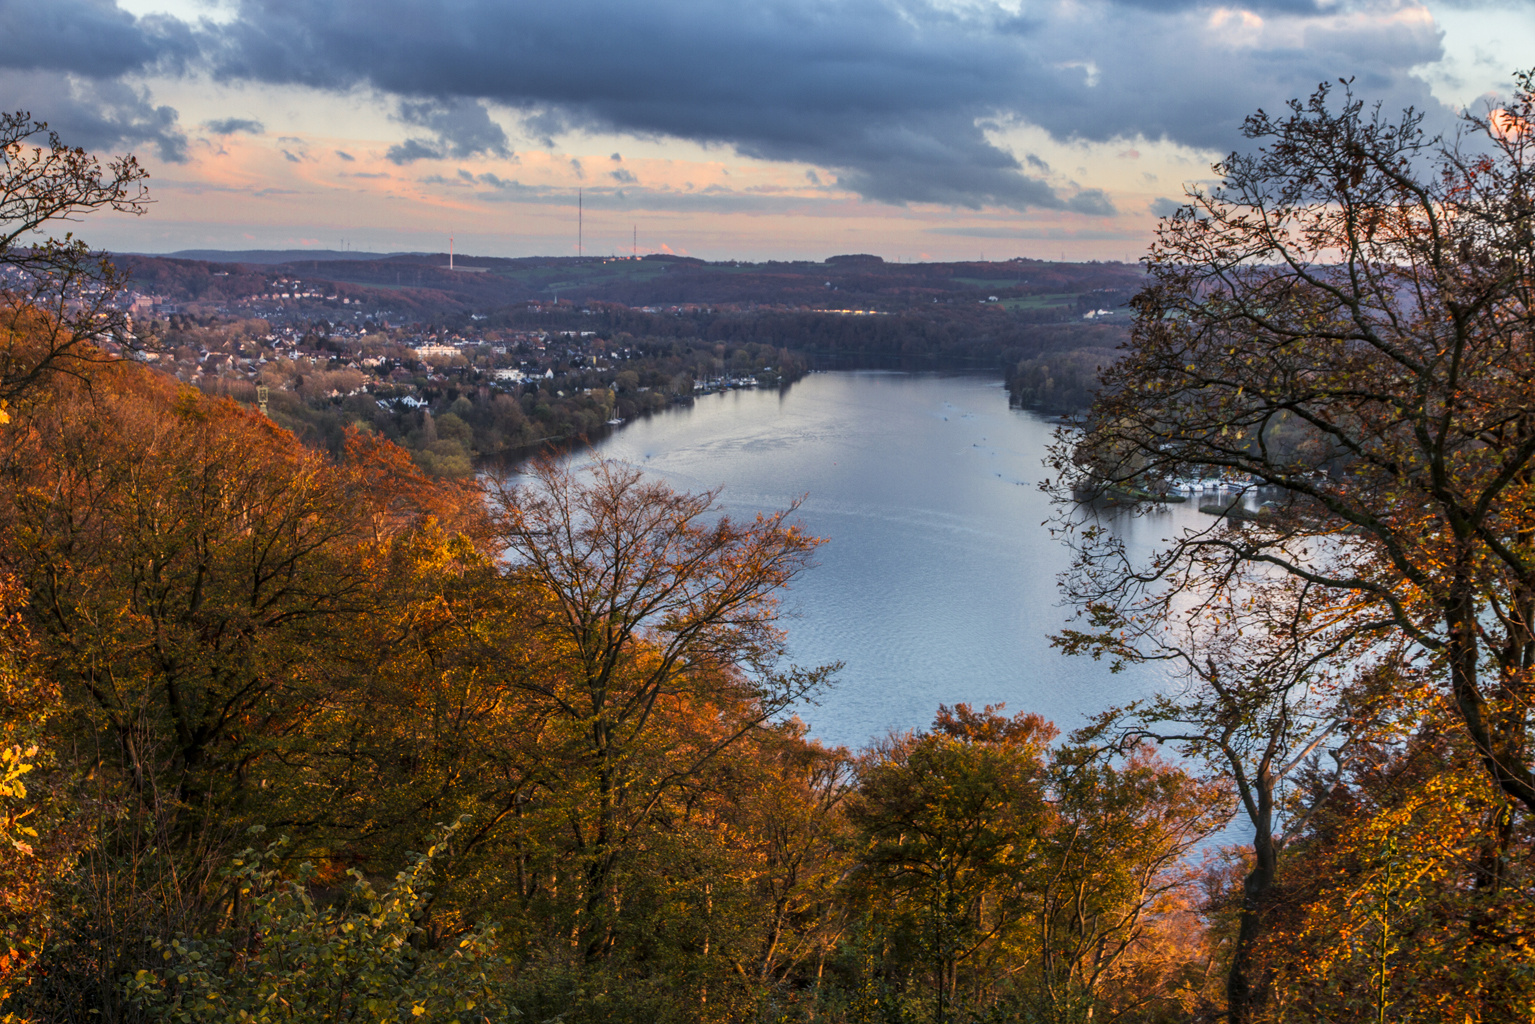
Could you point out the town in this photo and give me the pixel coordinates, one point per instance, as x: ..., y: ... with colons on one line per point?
x: 448, y: 395
x: 456, y: 367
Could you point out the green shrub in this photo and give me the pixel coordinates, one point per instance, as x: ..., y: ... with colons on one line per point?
x: 285, y: 958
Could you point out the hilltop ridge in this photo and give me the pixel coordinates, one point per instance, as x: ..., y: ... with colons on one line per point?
x: 422, y: 284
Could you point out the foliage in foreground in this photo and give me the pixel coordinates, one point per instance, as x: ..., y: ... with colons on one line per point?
x: 210, y: 628
x: 1343, y: 327
x: 286, y: 958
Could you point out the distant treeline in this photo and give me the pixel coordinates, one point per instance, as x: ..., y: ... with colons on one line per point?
x: 422, y: 286
x: 1059, y: 382
x: 981, y: 337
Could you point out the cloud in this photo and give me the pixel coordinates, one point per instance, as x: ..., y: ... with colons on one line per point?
x: 232, y: 125
x: 343, y: 154
x: 1092, y: 201
x: 1165, y: 207
x: 65, y: 62
x: 1260, y: 6
x: 890, y: 94
x: 714, y: 199
x: 98, y: 115
x: 412, y: 150
x: 899, y: 99
x: 462, y: 127
x: 92, y: 38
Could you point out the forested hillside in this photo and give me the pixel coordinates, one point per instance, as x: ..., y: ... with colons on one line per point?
x: 301, y: 732
x: 570, y: 693
x: 431, y: 287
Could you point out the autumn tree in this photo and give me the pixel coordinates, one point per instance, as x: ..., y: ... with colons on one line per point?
x: 286, y: 957
x: 38, y: 841
x: 642, y: 606
x: 189, y: 566
x: 1114, y: 871
x: 1268, y: 681
x: 1408, y: 888
x: 1346, y: 318
x: 999, y: 876
x: 200, y: 588
x: 797, y: 820
x: 58, y: 297
x: 950, y: 822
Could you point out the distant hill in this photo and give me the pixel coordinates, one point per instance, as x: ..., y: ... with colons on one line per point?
x: 271, y: 256
x: 421, y: 285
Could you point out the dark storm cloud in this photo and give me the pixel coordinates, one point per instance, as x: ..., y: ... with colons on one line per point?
x: 89, y: 37
x: 858, y: 86
x: 462, y: 127
x: 63, y: 61
x: 890, y: 95
x: 98, y: 115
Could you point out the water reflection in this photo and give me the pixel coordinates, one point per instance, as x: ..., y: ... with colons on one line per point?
x: 938, y: 584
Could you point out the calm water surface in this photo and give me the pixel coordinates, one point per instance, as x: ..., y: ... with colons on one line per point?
x: 938, y: 581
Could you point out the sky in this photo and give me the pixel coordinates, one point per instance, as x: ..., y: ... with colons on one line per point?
x: 773, y: 129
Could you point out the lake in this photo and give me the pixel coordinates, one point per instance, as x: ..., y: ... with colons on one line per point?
x: 938, y: 581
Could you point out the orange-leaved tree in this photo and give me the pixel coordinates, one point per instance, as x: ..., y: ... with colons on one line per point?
x: 60, y: 298
x: 950, y: 823
x: 643, y: 608
x: 205, y: 592
x: 1409, y: 889
x: 1346, y: 318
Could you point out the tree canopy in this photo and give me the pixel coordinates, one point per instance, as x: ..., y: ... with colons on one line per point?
x: 1342, y: 328
x: 561, y: 700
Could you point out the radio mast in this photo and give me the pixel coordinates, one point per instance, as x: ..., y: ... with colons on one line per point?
x: 580, y: 246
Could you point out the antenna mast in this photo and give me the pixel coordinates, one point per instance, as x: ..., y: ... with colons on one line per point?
x: 450, y: 252
x: 580, y: 245
x: 636, y: 250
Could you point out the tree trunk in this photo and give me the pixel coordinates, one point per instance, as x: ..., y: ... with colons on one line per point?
x: 1246, y: 987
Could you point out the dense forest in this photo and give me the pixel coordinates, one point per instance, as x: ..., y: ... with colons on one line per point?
x: 302, y: 732
x: 249, y: 680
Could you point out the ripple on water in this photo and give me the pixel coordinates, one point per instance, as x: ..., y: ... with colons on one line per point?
x: 938, y: 581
